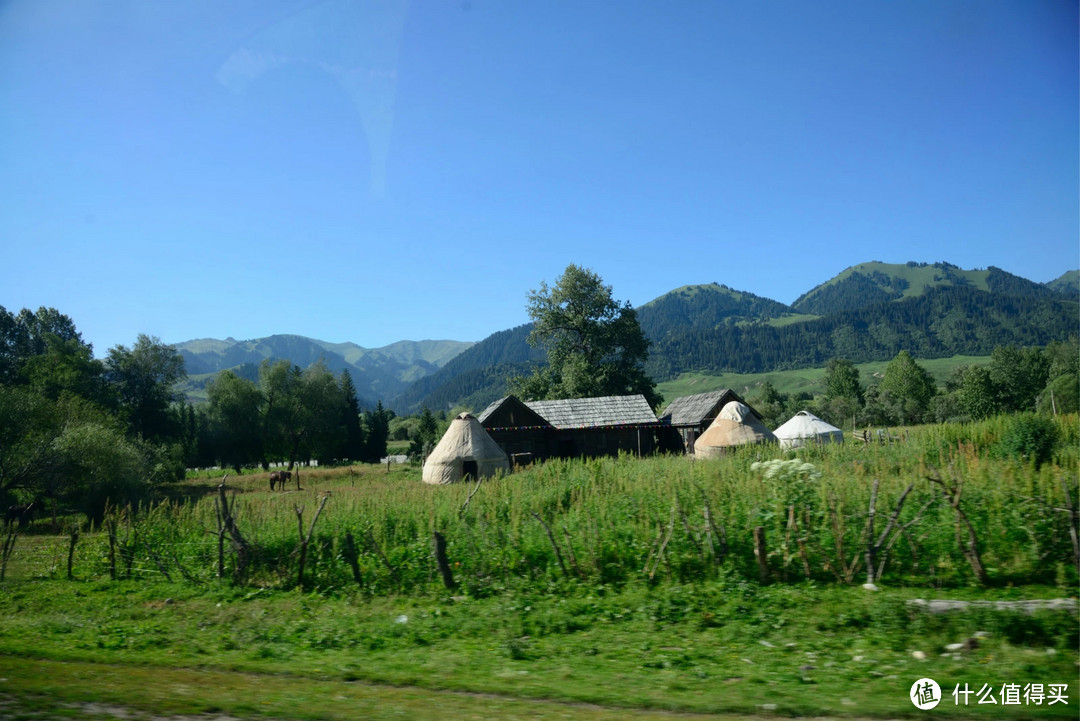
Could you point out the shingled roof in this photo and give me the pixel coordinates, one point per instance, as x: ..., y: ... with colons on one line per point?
x: 593, y: 412
x: 520, y: 412
x: 693, y: 410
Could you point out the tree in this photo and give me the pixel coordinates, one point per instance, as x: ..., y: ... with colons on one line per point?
x: 977, y: 394
x: 275, y: 383
x: 376, y: 431
x: 145, y: 377
x: 595, y: 345
x: 69, y: 452
x: 302, y: 412
x: 30, y: 423
x: 353, y: 447
x: 320, y: 432
x: 1019, y: 374
x: 906, y: 389
x: 426, y: 436
x: 67, y: 366
x: 1064, y: 358
x: 1061, y: 395
x: 195, y: 435
x: 770, y: 404
x: 236, y: 418
x: 844, y: 396
x: 842, y: 381
x: 25, y: 335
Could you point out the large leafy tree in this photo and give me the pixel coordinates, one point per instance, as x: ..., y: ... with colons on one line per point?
x: 906, y: 389
x: 1062, y: 393
x: 302, y: 411
x: 1019, y: 375
x: 595, y: 345
x: 320, y: 432
x: 66, y: 366
x: 26, y: 335
x: 842, y: 381
x: 236, y: 416
x: 145, y: 377
x: 977, y: 396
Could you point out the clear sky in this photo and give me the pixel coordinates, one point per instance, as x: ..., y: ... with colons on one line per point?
x: 382, y: 170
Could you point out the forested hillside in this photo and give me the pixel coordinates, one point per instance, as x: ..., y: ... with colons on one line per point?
x: 705, y: 306
x: 942, y: 322
x: 869, y: 312
x: 869, y: 283
x: 1067, y: 283
x: 483, y: 369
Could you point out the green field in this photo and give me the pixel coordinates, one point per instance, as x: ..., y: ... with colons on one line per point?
x: 805, y: 380
x: 627, y: 584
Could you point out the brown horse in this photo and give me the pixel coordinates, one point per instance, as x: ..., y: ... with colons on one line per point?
x: 19, y: 514
x: 278, y: 478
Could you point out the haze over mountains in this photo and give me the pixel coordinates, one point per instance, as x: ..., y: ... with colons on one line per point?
x: 868, y: 312
x: 378, y: 373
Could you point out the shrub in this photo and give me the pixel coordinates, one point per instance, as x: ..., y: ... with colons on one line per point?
x: 1031, y: 438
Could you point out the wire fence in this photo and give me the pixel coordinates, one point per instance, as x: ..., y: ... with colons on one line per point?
x: 46, y: 557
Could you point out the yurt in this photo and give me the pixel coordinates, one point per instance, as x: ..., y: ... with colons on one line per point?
x: 735, y: 426
x: 804, y: 427
x: 465, y: 451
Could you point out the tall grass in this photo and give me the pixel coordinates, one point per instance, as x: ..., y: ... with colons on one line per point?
x: 614, y: 521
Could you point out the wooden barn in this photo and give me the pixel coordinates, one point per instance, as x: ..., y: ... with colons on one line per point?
x: 573, y: 427
x: 522, y: 434
x: 688, y: 417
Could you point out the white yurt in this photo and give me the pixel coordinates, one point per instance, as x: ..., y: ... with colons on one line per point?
x: 804, y: 427
x: 466, y: 450
x: 735, y: 426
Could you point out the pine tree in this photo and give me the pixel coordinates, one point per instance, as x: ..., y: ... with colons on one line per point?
x: 353, y: 448
x: 377, y: 431
x: 425, y: 438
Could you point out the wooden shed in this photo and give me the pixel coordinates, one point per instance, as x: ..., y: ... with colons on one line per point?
x: 686, y: 418
x: 573, y: 427
x: 522, y: 433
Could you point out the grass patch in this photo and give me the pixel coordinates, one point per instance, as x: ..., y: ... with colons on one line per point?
x: 727, y: 647
x: 804, y: 380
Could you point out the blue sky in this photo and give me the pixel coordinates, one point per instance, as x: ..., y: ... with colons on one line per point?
x: 377, y: 171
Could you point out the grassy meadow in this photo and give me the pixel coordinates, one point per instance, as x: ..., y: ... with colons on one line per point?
x: 621, y: 582
x: 803, y: 380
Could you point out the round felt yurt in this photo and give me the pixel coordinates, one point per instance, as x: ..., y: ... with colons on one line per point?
x: 804, y: 428
x: 736, y: 425
x: 466, y: 451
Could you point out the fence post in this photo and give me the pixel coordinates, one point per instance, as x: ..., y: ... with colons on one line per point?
x: 71, y: 550
x: 443, y: 564
x: 761, y: 554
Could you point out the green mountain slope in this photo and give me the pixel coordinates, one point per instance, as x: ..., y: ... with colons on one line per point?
x: 706, y: 306
x: 478, y: 374
x: 866, y: 314
x: 1068, y: 283
x: 941, y: 322
x: 874, y: 282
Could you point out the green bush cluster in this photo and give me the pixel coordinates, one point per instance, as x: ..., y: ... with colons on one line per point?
x: 1031, y: 438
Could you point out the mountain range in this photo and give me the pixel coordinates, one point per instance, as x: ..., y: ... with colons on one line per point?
x: 377, y: 373
x: 867, y: 312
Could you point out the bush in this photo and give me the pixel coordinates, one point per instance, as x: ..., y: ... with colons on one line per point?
x: 1031, y: 438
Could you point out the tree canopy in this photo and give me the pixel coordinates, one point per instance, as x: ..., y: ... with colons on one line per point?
x: 595, y: 345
